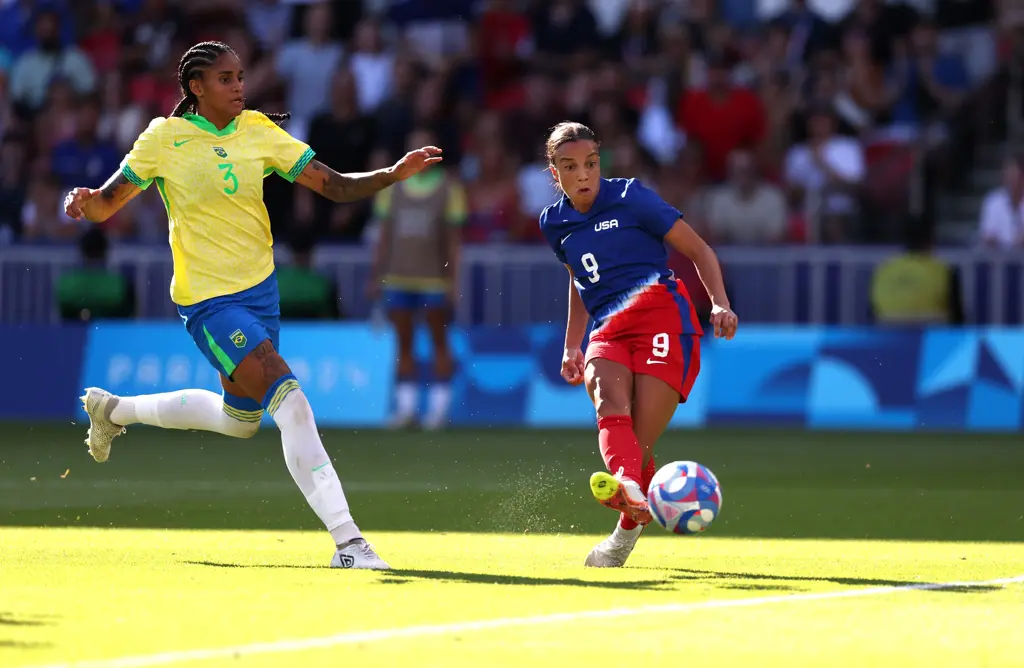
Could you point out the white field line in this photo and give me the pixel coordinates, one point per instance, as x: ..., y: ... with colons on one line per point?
x: 300, y: 644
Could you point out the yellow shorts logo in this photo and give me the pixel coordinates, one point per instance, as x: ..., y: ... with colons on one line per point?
x: 238, y: 338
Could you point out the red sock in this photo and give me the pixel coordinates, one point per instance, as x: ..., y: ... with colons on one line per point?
x: 620, y: 449
x: 645, y: 484
x: 647, y: 474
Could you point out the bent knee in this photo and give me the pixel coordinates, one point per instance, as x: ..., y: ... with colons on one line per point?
x: 246, y: 429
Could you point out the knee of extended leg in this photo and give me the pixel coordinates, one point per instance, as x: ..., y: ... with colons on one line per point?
x: 245, y: 429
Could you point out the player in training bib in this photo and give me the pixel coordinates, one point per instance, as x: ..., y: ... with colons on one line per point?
x: 208, y: 159
x: 644, y: 350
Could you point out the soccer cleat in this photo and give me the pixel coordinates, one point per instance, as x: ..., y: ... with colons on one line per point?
x: 613, y: 551
x: 358, y: 554
x: 99, y: 405
x: 622, y: 495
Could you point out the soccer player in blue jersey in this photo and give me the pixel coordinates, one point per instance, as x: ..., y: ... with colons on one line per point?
x: 644, y: 350
x: 208, y: 160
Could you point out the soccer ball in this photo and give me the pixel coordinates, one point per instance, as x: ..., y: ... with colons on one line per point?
x: 685, y: 497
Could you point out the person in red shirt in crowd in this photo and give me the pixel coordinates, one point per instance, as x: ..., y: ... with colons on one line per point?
x: 721, y: 118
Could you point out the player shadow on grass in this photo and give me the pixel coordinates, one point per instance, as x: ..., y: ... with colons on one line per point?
x: 402, y: 576
x: 695, y: 574
x: 9, y: 619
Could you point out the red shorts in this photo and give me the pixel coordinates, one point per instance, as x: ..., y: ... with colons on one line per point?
x: 674, y: 358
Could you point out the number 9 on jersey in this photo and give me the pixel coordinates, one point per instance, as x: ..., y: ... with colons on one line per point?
x: 590, y: 264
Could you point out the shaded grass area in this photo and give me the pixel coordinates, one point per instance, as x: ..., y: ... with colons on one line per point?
x: 777, y: 484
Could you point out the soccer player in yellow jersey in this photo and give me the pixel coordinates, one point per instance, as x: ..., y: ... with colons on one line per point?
x: 208, y: 160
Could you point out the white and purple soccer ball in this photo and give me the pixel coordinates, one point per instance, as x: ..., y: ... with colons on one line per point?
x: 685, y: 497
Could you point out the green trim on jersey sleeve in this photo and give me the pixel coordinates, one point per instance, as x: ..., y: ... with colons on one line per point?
x: 130, y: 174
x: 299, y: 165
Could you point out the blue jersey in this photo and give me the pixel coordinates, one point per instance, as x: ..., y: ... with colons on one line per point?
x: 617, y: 253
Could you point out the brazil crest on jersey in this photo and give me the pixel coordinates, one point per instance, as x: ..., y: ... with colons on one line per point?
x: 617, y: 253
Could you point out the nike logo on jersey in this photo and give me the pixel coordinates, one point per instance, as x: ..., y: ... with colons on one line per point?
x: 565, y: 238
x: 650, y: 361
x: 181, y: 143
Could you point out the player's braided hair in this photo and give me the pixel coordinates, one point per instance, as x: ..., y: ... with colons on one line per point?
x: 192, y: 64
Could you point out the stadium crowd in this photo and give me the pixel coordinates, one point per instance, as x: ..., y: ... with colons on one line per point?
x: 761, y: 132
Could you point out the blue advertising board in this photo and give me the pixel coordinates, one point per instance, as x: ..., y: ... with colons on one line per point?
x: 937, y: 379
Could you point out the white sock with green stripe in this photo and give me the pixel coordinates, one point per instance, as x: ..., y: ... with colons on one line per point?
x: 185, y: 409
x: 307, y: 461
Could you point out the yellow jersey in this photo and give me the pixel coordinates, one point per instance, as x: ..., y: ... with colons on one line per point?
x: 211, y: 182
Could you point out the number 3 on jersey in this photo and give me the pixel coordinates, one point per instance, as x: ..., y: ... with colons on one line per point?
x: 590, y: 264
x: 229, y: 175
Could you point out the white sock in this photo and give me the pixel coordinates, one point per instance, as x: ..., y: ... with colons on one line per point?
x: 184, y: 409
x: 438, y: 402
x: 311, y: 467
x: 407, y: 398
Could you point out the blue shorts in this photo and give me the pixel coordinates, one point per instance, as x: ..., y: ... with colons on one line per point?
x: 409, y: 300
x: 228, y: 328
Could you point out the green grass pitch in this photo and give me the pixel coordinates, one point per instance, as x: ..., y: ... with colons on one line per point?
x: 188, y: 549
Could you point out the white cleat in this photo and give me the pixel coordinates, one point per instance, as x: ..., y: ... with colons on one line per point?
x: 613, y: 551
x: 358, y: 554
x: 99, y: 404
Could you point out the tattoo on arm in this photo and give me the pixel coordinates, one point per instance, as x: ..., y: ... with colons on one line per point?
x: 114, y: 194
x: 345, y: 187
x: 114, y: 190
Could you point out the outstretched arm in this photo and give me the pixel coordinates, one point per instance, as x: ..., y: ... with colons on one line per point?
x: 338, y: 187
x: 99, y: 205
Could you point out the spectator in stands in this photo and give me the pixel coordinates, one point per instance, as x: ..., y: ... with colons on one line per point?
x: 806, y: 34
x: 86, y: 159
x: 885, y: 23
x: 42, y: 216
x: 372, y: 64
x: 493, y: 199
x: 92, y: 290
x: 1002, y: 213
x: 35, y: 69
x: 13, y: 150
x: 503, y: 46
x: 862, y: 96
x: 306, y: 294
x: 268, y: 21
x: 307, y: 67
x: 343, y: 138
x: 436, y: 32
x: 823, y: 174
x: 721, y: 118
x: 57, y: 121
x: 966, y: 31
x: 915, y: 287
x: 102, y: 41
x: 540, y: 111
x: 635, y: 44
x: 682, y: 184
x: 149, y: 39
x: 394, y: 117
x: 746, y: 210
x: 565, y: 37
